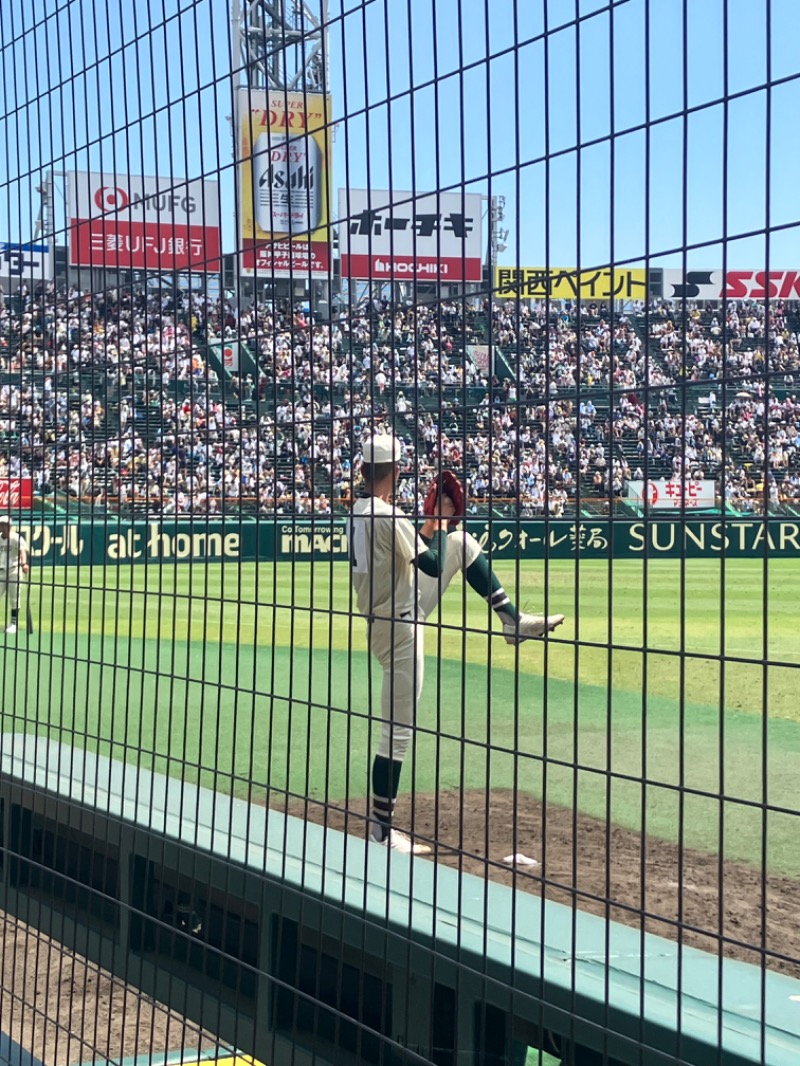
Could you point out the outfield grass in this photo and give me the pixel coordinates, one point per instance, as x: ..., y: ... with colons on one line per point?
x: 235, y: 675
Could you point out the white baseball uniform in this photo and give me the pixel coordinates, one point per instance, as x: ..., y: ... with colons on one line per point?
x: 396, y: 598
x: 10, y: 573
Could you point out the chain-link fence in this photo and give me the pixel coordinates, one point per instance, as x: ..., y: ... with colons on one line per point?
x: 400, y: 492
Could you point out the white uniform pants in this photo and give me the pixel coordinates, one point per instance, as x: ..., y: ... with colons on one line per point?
x: 9, y: 587
x: 399, y: 647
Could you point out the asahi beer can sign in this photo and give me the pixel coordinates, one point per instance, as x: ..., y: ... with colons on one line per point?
x: 287, y: 177
x: 284, y: 173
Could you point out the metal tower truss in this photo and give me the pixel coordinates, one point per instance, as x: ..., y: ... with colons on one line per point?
x: 278, y: 44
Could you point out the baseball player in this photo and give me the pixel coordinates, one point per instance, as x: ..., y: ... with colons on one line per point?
x: 13, y: 562
x: 399, y: 576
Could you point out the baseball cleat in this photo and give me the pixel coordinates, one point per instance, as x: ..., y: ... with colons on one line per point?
x: 399, y: 842
x: 530, y: 626
x: 12, y: 628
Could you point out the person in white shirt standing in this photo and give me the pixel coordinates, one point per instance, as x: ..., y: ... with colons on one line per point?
x: 399, y: 577
x: 13, y: 566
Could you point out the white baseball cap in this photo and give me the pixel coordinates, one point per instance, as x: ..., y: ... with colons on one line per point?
x: 383, y: 448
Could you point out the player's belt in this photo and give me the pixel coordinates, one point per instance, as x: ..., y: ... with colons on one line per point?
x: 400, y: 617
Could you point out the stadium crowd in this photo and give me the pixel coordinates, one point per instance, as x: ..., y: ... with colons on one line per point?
x: 122, y: 399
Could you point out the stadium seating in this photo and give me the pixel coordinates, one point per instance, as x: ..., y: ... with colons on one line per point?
x: 122, y: 402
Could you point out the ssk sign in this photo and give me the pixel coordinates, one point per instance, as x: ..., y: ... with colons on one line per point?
x: 760, y: 284
x: 399, y: 237
x: 15, y: 492
x: 125, y: 222
x: 734, y: 285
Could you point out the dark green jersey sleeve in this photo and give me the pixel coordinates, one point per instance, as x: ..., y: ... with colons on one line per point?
x: 431, y: 562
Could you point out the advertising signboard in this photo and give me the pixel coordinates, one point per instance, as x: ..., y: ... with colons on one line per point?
x: 732, y: 285
x: 567, y: 283
x: 398, y: 236
x: 671, y: 495
x: 24, y: 264
x: 284, y: 143
x: 15, y: 492
x: 127, y: 222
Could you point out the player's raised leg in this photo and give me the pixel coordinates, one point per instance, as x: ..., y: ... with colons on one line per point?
x: 464, y: 553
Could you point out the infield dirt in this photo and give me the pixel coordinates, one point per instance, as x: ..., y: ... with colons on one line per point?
x: 713, y: 906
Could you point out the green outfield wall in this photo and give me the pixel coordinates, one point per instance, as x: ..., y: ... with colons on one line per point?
x: 125, y: 543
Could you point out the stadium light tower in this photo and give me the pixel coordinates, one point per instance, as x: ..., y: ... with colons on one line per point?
x: 278, y: 44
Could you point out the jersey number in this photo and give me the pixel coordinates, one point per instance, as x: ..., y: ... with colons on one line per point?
x: 358, y: 547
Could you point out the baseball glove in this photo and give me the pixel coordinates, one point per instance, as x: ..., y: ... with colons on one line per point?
x: 446, y: 484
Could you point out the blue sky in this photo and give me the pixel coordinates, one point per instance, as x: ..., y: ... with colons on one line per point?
x: 84, y: 85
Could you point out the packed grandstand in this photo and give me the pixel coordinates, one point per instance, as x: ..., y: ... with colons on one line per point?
x: 123, y: 402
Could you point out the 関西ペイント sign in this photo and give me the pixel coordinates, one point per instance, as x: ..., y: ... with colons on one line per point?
x: 568, y: 283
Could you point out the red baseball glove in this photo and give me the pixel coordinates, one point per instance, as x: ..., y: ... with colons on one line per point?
x: 446, y: 484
